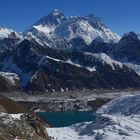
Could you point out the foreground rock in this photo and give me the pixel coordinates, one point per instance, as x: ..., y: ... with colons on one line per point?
x: 22, y: 124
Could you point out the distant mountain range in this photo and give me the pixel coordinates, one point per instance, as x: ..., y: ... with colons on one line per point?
x: 60, y: 53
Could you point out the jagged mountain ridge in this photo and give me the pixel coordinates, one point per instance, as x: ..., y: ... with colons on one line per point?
x: 45, y: 61
x: 126, y: 51
x: 56, y: 26
x: 44, y: 69
x: 8, y: 33
x: 58, y: 31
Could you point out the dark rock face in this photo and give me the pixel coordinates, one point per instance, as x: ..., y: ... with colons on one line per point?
x: 78, y: 44
x: 122, y: 78
x: 128, y: 48
x: 66, y: 78
x: 100, y: 47
x: 9, y: 82
x: 8, y: 44
x: 42, y: 69
x: 112, y: 78
x: 50, y: 74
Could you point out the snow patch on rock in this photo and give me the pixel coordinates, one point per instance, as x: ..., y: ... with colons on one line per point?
x: 5, y: 33
x: 102, y: 57
x: 10, y: 77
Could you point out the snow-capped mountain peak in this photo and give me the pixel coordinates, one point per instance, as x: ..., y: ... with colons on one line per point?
x: 56, y: 12
x: 95, y: 21
x: 9, y: 33
x: 45, y: 27
x: 130, y: 35
x: 54, y: 18
x: 129, y: 38
x: 56, y: 26
x: 5, y: 32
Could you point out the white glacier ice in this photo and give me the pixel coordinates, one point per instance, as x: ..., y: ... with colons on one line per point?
x: 117, y: 120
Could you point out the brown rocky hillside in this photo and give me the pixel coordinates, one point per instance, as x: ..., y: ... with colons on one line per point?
x: 18, y: 122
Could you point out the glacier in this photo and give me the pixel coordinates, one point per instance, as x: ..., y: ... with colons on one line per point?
x: 118, y: 119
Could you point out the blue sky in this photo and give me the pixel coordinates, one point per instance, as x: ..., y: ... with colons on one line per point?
x: 120, y: 15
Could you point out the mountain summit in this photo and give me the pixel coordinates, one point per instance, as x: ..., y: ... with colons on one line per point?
x: 54, y: 18
x: 60, y: 53
x: 55, y: 26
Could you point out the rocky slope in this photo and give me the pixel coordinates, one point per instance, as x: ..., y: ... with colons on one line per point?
x: 9, y: 106
x: 126, y: 51
x: 44, y: 69
x: 21, y: 123
x: 21, y: 126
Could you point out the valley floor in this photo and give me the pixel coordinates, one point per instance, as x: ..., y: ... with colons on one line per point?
x: 118, y: 118
x: 72, y: 100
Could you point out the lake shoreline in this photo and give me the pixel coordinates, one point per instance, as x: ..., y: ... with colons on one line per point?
x: 66, y: 118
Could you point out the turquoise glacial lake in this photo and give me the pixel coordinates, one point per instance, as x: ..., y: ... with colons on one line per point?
x: 66, y: 118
